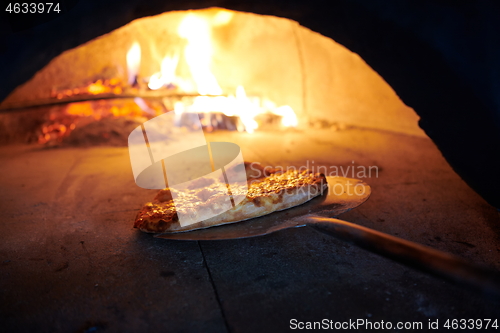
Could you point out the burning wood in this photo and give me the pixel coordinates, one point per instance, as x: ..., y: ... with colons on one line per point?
x: 198, y: 94
x: 273, y: 59
x: 110, y: 121
x: 111, y: 86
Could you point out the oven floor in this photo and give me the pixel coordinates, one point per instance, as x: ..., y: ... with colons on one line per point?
x: 72, y: 262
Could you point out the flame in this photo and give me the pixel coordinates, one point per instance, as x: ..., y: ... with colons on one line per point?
x: 241, y: 106
x: 288, y: 116
x: 61, y: 122
x: 166, y: 75
x: 133, y: 62
x: 198, y: 53
x: 197, y: 30
x: 247, y: 110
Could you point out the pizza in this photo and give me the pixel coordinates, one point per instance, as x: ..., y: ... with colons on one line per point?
x: 269, y: 190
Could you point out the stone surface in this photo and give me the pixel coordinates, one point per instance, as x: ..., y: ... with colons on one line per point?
x: 71, y: 261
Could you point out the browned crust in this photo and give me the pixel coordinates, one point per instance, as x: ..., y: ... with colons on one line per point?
x: 273, y: 191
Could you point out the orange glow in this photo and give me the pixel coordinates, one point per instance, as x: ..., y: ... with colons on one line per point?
x: 246, y: 110
x: 99, y: 110
x: 60, y: 124
x: 80, y: 109
x: 289, y: 118
x: 98, y: 88
x: 198, y: 53
x: 166, y: 74
x: 111, y: 86
x: 239, y: 105
x: 133, y: 62
x: 291, y: 74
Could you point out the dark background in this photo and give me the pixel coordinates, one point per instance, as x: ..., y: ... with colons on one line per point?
x: 441, y: 57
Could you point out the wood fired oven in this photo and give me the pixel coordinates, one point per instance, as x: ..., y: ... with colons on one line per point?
x: 342, y: 89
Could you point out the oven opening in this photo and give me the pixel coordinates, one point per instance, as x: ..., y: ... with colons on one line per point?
x: 236, y: 71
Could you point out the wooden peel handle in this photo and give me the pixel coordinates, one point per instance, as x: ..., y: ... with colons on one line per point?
x: 412, y: 254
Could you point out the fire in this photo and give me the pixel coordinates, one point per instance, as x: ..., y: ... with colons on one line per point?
x: 242, y: 110
x: 198, y: 53
x: 111, y: 86
x: 288, y: 116
x: 246, y: 110
x: 222, y: 17
x: 133, y: 62
x: 60, y: 123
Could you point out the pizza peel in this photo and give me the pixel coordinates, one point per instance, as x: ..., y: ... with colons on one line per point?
x: 342, y: 195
